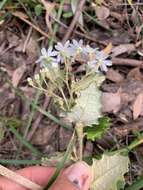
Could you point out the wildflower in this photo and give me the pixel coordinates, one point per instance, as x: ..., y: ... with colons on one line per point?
x: 37, y: 77
x: 92, y: 64
x: 48, y: 56
x: 103, y: 61
x: 100, y: 61
x: 89, y: 50
x: 30, y: 81
x: 63, y: 51
x: 76, y: 47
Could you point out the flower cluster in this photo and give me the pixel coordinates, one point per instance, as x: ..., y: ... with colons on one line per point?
x: 57, y: 81
x: 96, y: 60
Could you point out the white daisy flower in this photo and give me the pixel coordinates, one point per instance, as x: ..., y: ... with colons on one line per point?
x: 89, y: 50
x: 47, y: 55
x: 63, y: 50
x: 101, y: 61
x: 76, y: 47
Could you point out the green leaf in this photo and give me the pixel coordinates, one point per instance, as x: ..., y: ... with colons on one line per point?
x: 1, y: 131
x: 86, y: 81
x: 137, y: 185
x: 108, y: 171
x: 87, y: 109
x: 67, y: 15
x: 97, y: 131
x: 38, y: 9
x: 3, y: 3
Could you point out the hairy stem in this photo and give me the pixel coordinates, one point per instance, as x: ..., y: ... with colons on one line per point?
x: 79, y: 130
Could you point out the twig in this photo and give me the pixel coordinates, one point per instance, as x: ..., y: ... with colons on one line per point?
x: 85, y: 35
x: 31, y: 24
x: 27, y: 40
x: 37, y: 121
x: 76, y: 16
x: 19, y: 179
x: 129, y: 62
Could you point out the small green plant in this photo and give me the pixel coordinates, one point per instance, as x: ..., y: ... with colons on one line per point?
x: 77, y: 99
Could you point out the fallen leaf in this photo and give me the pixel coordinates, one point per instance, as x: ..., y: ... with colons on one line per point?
x: 135, y: 74
x: 49, y: 8
x: 43, y: 135
x: 123, y: 48
x: 102, y: 12
x: 108, y: 49
x: 108, y: 171
x: 111, y: 102
x: 114, y: 76
x: 137, y: 106
x: 32, y: 47
x: 12, y: 39
x: 17, y: 75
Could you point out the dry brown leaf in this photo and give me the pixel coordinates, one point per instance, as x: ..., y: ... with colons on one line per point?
x: 123, y: 48
x: 49, y: 7
x: 32, y: 47
x: 135, y: 74
x: 137, y: 106
x: 24, y: 18
x: 20, y: 14
x: 17, y: 75
x: 43, y: 135
x: 114, y: 76
x: 108, y: 49
x: 102, y: 12
x: 111, y: 102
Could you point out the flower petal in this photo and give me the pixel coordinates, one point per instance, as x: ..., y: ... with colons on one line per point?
x: 44, y: 52
x: 103, y: 67
x: 108, y: 62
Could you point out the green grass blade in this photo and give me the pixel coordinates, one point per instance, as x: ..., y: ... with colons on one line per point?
x: 30, y: 119
x: 2, y: 4
x: 47, y: 114
x: 137, y: 185
x: 19, y: 162
x: 62, y: 163
x: 24, y: 142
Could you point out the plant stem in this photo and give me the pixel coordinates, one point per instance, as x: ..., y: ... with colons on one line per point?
x: 64, y: 97
x: 79, y: 130
x: 47, y: 114
x: 62, y: 163
x: 133, y: 145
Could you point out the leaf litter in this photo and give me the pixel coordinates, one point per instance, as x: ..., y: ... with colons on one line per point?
x: 121, y: 91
